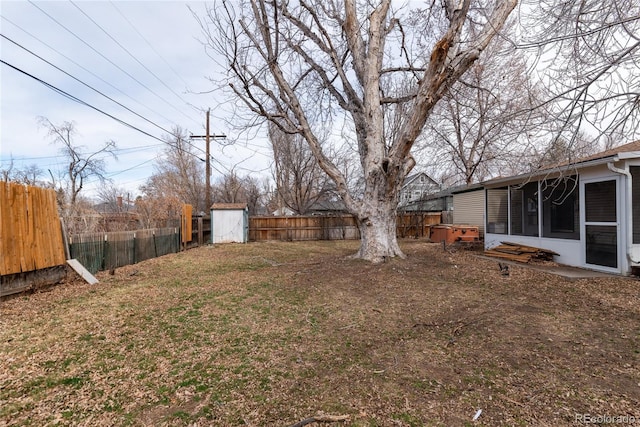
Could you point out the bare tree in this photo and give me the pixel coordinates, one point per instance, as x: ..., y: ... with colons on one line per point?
x: 300, y: 182
x: 487, y: 118
x: 232, y: 188
x: 114, y: 198
x: 588, y: 54
x: 309, y: 65
x: 30, y: 175
x: 7, y: 172
x: 156, y: 209
x: 561, y: 152
x: 80, y: 166
x: 179, y: 174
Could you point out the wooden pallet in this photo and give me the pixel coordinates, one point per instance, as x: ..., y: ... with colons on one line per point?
x: 521, y: 253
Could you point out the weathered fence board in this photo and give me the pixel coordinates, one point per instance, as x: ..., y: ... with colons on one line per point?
x: 336, y: 227
x: 30, y: 233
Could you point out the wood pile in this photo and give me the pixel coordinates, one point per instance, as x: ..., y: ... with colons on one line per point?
x: 520, y: 253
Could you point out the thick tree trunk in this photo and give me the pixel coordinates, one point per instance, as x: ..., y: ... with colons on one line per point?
x: 378, y: 240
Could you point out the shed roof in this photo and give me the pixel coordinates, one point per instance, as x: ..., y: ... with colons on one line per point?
x: 228, y: 206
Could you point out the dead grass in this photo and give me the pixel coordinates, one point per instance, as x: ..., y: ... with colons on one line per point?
x: 272, y: 333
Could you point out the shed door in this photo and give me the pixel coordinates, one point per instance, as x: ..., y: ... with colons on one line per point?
x: 601, y: 223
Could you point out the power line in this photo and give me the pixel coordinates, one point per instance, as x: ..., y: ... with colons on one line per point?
x: 85, y: 84
x: 85, y: 69
x: 135, y: 59
x: 79, y: 101
x: 148, y: 44
x: 67, y: 95
x: 112, y: 174
x: 119, y: 151
x: 132, y: 167
x: 104, y: 57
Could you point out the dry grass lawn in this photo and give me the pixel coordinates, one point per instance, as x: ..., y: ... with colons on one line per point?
x: 268, y: 334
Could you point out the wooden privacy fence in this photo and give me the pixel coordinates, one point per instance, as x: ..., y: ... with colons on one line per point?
x: 416, y: 224
x: 30, y: 231
x: 335, y: 227
x: 105, y: 251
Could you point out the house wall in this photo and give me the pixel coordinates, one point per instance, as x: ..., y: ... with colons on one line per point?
x: 634, y: 220
x: 570, y: 251
x: 573, y: 252
x: 417, y: 189
x: 468, y: 208
x: 228, y: 226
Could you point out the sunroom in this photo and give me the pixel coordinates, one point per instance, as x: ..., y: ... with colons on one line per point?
x: 588, y: 212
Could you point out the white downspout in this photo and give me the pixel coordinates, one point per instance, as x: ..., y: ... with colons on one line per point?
x: 629, y: 215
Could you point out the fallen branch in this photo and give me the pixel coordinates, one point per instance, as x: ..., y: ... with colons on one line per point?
x: 349, y: 326
x: 458, y: 329
x: 321, y: 419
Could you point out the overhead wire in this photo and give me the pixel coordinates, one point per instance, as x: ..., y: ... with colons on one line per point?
x: 119, y: 151
x: 78, y: 100
x: 85, y: 84
x: 103, y: 56
x: 112, y: 174
x: 69, y: 96
x: 148, y: 43
x: 85, y: 69
x: 154, y: 158
x: 136, y: 59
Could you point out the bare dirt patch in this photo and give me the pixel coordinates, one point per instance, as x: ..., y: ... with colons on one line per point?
x: 273, y: 333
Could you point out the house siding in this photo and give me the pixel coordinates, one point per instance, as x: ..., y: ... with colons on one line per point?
x: 605, y: 242
x: 417, y: 187
x: 572, y: 251
x: 468, y: 208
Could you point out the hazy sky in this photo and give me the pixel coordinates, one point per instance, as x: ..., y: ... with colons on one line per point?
x: 146, y: 55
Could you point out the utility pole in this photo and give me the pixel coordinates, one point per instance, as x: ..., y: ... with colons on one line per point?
x: 208, y: 166
x: 207, y: 139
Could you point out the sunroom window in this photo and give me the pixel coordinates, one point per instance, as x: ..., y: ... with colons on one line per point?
x: 524, y: 209
x: 497, y: 210
x: 561, y: 208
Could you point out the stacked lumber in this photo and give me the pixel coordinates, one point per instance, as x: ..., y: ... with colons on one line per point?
x: 520, y: 253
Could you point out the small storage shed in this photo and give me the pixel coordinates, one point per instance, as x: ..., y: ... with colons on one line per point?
x: 229, y: 223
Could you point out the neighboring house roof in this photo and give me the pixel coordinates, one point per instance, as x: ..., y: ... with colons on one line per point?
x: 450, y: 191
x: 467, y: 188
x: 411, y: 178
x: 283, y: 211
x: 626, y: 151
x: 328, y: 206
x: 442, y: 193
x: 228, y: 206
